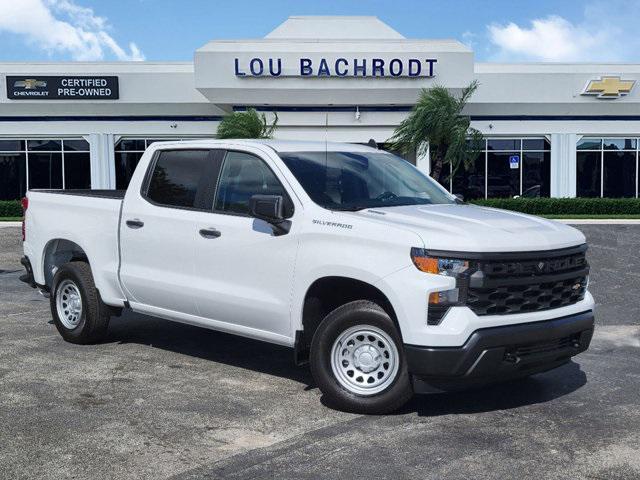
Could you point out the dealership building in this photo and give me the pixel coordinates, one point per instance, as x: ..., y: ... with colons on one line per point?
x: 559, y: 130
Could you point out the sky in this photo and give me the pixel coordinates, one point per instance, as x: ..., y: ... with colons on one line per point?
x: 170, y: 30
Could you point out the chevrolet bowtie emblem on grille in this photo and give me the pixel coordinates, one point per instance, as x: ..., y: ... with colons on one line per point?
x: 609, y: 87
x: 541, y: 266
x: 30, y: 84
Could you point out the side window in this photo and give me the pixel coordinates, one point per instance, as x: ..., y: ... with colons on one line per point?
x: 183, y: 178
x: 244, y: 175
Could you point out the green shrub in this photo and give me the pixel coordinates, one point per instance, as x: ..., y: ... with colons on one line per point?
x: 566, y: 206
x: 10, y: 208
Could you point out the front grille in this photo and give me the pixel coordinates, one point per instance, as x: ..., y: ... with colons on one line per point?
x: 526, y: 298
x: 510, y: 285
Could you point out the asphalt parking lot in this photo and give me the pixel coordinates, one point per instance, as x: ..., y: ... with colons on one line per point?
x: 163, y: 400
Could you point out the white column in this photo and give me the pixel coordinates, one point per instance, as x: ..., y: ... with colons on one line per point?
x: 563, y: 164
x: 422, y: 161
x: 103, y: 165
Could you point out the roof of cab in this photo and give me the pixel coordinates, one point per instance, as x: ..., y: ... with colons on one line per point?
x: 282, y: 145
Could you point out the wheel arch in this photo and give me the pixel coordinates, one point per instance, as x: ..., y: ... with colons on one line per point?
x: 56, y: 253
x: 324, y: 295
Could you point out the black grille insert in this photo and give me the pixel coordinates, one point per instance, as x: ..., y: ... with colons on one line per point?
x: 509, y: 285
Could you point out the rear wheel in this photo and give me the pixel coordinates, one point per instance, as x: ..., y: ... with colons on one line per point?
x: 78, y: 312
x: 358, y: 362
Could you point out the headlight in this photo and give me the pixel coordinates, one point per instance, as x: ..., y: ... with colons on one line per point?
x: 439, y: 301
x: 440, y: 266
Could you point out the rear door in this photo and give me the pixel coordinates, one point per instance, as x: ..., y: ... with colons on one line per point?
x: 158, y: 234
x: 245, y: 270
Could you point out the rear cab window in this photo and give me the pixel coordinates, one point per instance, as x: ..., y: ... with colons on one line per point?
x: 184, y: 178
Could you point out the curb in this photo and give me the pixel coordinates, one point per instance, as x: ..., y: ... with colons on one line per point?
x: 597, y: 221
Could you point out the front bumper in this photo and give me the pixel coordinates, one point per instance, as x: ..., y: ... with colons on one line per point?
x: 500, y: 353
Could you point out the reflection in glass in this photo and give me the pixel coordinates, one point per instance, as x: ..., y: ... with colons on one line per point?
x: 619, y: 174
x: 502, y: 180
x: 46, y: 145
x: 13, y: 173
x: 77, y: 170
x: 536, y: 144
x: 588, y: 174
x: 504, y: 144
x: 536, y: 174
x: 619, y: 144
x: 470, y: 182
x: 45, y: 170
x: 126, y: 163
x: 590, y: 144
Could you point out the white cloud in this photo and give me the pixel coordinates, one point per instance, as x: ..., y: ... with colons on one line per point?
x: 62, y: 26
x: 607, y: 32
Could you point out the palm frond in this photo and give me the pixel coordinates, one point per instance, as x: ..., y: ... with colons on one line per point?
x: 437, y: 120
x: 247, y: 124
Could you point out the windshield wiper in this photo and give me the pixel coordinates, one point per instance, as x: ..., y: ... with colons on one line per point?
x: 354, y: 208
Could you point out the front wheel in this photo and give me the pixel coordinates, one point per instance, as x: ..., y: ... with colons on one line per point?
x: 358, y: 362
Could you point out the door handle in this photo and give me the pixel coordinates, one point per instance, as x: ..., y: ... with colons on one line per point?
x: 210, y: 233
x: 135, y: 223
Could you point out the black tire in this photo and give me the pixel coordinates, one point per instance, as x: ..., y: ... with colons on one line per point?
x: 94, y: 319
x: 360, y: 312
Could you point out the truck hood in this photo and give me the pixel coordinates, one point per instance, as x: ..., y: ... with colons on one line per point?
x: 470, y: 228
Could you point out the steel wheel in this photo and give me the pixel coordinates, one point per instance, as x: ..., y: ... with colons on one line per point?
x: 364, y: 360
x: 69, y: 304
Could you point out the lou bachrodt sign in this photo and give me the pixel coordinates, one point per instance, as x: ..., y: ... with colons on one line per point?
x: 62, y: 88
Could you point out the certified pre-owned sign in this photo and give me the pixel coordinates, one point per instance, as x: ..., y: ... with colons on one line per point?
x: 62, y: 88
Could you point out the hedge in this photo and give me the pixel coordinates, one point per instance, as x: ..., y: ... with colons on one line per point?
x: 10, y: 208
x: 566, y: 206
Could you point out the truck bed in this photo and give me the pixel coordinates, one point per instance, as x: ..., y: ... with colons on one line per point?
x: 87, y: 218
x: 117, y: 194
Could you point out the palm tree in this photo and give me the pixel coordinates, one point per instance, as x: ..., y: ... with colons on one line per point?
x: 249, y: 124
x: 436, y: 122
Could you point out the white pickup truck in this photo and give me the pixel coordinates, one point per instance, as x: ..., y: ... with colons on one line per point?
x: 380, y: 279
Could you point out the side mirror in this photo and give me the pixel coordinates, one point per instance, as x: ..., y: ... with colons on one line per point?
x: 270, y: 208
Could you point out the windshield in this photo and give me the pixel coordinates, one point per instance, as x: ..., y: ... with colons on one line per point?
x: 358, y: 180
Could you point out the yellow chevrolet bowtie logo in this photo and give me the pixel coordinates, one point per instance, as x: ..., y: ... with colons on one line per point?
x: 30, y: 84
x: 609, y: 87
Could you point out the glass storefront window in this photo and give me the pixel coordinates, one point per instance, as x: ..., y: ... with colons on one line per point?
x: 588, y: 174
x: 126, y: 163
x: 504, y: 144
x: 607, y: 167
x: 470, y: 182
x: 46, y: 145
x: 502, y: 179
x: 13, y: 175
x: 45, y: 170
x: 536, y: 174
x: 535, y: 144
x: 43, y: 163
x: 77, y: 171
x: 590, y: 144
x: 11, y: 145
x: 76, y: 145
x: 619, y: 144
x: 619, y: 174
x: 495, y: 175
